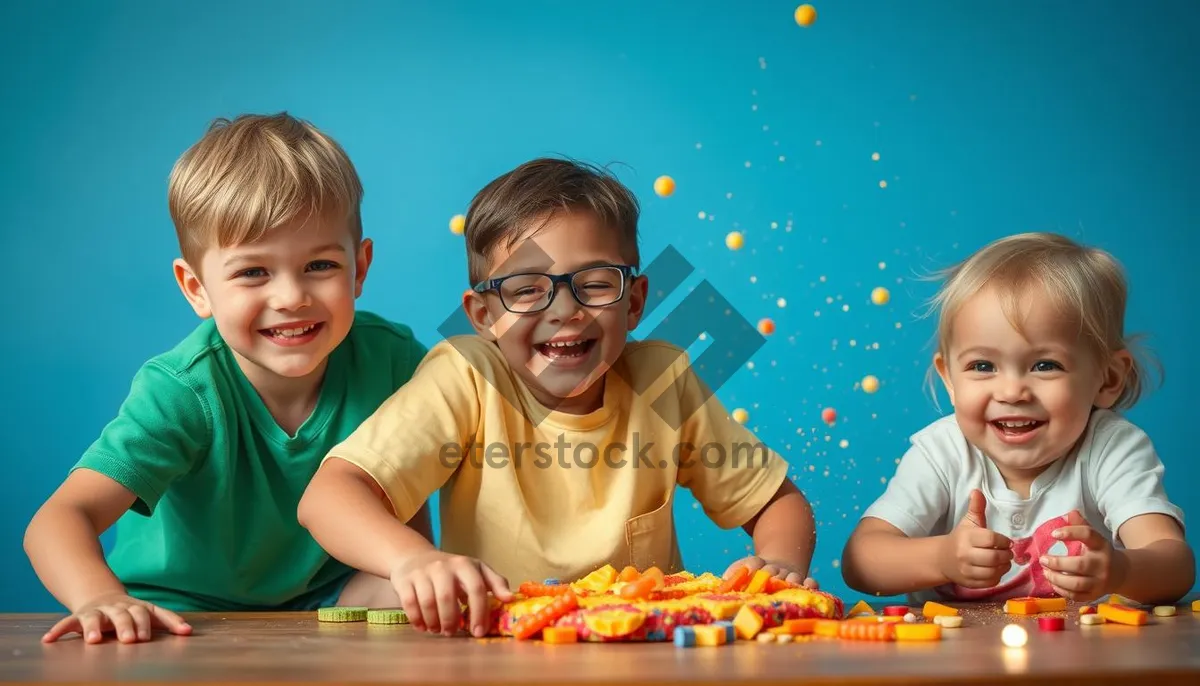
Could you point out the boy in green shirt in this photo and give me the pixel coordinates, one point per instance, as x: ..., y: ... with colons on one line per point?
x: 207, y: 458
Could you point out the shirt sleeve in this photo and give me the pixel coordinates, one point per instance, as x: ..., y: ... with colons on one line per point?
x: 731, y: 473
x: 413, y: 443
x: 1125, y: 475
x: 162, y: 430
x: 917, y: 497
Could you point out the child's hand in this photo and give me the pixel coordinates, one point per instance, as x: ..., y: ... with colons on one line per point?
x: 431, y: 585
x: 131, y: 619
x: 781, y: 570
x: 1086, y: 576
x: 974, y: 556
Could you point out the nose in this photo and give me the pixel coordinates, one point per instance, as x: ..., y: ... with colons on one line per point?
x: 1012, y: 388
x: 288, y: 294
x: 563, y: 307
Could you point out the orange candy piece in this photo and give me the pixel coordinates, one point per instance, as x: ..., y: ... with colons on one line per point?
x: 1120, y: 614
x: 560, y: 634
x: 933, y: 609
x: 918, y: 632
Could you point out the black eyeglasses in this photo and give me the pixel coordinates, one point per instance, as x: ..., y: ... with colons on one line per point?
x: 534, y: 291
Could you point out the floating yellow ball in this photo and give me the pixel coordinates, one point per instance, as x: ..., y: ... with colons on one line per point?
x: 664, y: 186
x: 734, y: 241
x: 457, y: 224
x: 880, y: 296
x: 870, y: 384
x: 806, y: 15
x: 741, y: 416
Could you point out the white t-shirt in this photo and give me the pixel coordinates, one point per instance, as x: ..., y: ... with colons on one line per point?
x: 1113, y: 475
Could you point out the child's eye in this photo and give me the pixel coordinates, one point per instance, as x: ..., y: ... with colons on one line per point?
x: 1046, y: 366
x: 322, y: 265
x: 251, y: 273
x: 981, y: 366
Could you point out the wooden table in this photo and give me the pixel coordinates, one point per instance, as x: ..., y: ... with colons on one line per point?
x: 263, y: 648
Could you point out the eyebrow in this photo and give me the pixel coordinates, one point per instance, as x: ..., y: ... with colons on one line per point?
x: 262, y: 257
x: 983, y: 351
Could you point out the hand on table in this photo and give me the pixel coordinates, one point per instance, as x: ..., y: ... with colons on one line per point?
x: 431, y: 586
x: 780, y: 570
x: 131, y: 619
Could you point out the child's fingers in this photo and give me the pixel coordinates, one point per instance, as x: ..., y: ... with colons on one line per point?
x: 473, y: 585
x: 62, y: 627
x: 92, y: 625
x: 751, y: 563
x: 810, y: 583
x: 497, y: 583
x: 410, y: 603
x: 1071, y: 564
x: 975, y: 576
x: 794, y: 578
x: 988, y: 557
x: 1084, y: 534
x: 143, y: 623
x: 169, y: 620
x: 1071, y: 583
x: 445, y: 589
x: 986, y: 538
x: 426, y: 603
x: 122, y: 623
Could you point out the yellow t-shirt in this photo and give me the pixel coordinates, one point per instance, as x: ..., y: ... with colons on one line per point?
x: 541, y: 494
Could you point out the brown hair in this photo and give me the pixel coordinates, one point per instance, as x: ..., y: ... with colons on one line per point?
x: 250, y: 175
x: 1086, y: 285
x: 523, y: 199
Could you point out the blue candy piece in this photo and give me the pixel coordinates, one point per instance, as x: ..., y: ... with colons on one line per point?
x: 730, y: 631
x: 685, y: 637
x: 550, y: 582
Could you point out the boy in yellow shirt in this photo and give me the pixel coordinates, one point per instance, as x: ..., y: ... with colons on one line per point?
x: 556, y: 445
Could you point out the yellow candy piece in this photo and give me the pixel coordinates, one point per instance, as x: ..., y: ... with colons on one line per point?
x: 747, y: 623
x: 1196, y: 606
x: 860, y: 608
x: 918, y: 632
x: 709, y: 635
x: 933, y: 609
x: 1164, y: 611
x: 759, y: 581
x: 560, y: 634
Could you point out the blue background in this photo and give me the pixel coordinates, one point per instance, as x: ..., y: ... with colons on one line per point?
x: 988, y: 119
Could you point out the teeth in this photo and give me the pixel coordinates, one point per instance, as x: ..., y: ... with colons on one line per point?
x: 292, y: 333
x: 565, y: 344
x: 1018, y: 425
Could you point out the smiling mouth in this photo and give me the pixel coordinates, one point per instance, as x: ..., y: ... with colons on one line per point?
x: 286, y: 334
x: 1017, y: 427
x: 565, y: 349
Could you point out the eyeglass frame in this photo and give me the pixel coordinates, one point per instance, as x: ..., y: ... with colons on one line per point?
x: 627, y: 272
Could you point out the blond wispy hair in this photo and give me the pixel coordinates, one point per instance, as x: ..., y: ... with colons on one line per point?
x: 255, y: 173
x: 1085, y: 285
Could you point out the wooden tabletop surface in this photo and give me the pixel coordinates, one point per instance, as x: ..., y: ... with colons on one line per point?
x: 269, y: 648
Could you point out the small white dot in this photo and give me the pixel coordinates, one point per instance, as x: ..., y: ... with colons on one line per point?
x: 782, y: 302
x: 701, y: 214
x: 843, y: 443
x: 883, y: 265
x: 774, y: 225
x: 753, y: 279
x: 747, y: 164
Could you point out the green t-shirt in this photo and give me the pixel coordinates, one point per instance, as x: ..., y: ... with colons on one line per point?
x: 218, y: 481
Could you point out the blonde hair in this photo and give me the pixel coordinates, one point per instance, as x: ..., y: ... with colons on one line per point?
x: 1085, y: 284
x: 254, y: 173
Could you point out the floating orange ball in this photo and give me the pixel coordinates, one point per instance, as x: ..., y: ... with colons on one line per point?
x: 664, y: 186
x: 806, y: 15
x: 829, y: 415
x: 766, y: 327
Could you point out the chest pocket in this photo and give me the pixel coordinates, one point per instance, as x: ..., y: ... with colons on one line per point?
x: 651, y: 540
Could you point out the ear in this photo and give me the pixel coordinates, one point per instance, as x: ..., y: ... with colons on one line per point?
x: 637, y: 301
x: 939, y: 363
x: 1113, y: 376
x: 193, y: 289
x: 362, y: 262
x: 475, y: 305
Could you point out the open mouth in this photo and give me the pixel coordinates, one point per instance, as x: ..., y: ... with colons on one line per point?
x: 1017, y: 427
x: 565, y: 350
x: 293, y: 334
